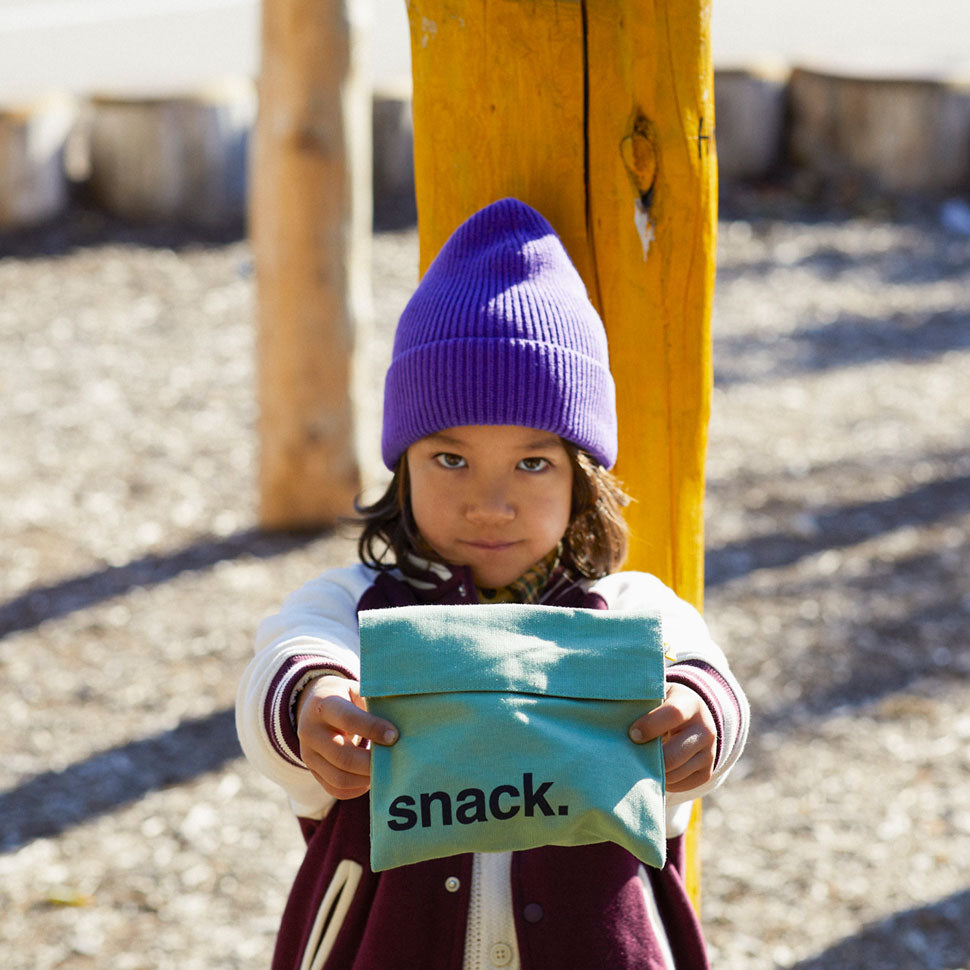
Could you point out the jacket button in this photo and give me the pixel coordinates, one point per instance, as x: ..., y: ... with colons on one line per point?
x: 500, y: 955
x: 532, y: 913
x: 452, y: 884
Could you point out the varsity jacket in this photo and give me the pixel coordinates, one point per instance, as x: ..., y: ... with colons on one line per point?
x: 582, y: 908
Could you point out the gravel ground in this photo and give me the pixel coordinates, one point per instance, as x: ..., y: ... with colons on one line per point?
x: 133, y: 836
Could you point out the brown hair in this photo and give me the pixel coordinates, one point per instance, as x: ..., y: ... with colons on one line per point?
x: 594, y: 544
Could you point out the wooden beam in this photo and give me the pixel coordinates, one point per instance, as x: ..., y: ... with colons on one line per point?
x: 599, y: 113
x: 310, y: 226
x: 653, y: 205
x: 501, y: 82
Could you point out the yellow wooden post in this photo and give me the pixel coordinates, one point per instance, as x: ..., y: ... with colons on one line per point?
x: 600, y: 114
x: 310, y: 226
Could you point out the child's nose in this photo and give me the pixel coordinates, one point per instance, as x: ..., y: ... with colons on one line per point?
x: 490, y: 503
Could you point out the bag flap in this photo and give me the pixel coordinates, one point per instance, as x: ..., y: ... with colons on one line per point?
x: 506, y: 647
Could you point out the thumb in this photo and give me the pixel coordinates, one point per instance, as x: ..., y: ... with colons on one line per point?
x: 652, y: 725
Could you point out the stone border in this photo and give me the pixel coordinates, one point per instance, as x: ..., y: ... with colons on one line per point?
x: 33, y: 143
x: 894, y: 135
x: 178, y: 159
x: 183, y: 158
x: 902, y: 136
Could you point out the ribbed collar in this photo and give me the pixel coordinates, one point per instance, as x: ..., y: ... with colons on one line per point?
x: 438, y: 582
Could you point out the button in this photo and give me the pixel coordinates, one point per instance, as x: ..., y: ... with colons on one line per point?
x: 500, y: 955
x: 452, y: 884
x: 532, y: 913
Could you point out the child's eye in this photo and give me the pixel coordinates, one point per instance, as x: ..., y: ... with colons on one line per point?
x: 534, y: 464
x: 448, y: 460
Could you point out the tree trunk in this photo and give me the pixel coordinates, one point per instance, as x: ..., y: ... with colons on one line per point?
x: 311, y: 223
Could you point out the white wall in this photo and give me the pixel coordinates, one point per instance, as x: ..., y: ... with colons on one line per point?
x: 146, y: 45
x: 154, y: 45
x: 881, y: 38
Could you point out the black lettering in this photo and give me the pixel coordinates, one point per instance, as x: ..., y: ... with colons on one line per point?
x: 533, y: 798
x: 493, y: 802
x: 471, y: 806
x: 401, y: 810
x: 445, y: 801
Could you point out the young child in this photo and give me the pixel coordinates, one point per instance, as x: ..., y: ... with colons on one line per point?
x: 500, y: 428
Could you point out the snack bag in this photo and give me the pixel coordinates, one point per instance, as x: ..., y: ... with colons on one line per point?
x: 513, y: 725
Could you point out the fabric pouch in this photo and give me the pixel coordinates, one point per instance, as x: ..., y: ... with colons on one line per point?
x: 513, y: 724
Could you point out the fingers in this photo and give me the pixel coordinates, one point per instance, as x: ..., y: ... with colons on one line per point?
x: 334, y: 729
x: 335, y: 702
x: 347, y: 715
x: 340, y: 782
x: 689, y: 735
x: 688, y: 760
x: 660, y: 721
x: 680, y: 706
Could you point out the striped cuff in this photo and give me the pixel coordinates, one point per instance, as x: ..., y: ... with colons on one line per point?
x: 716, y: 692
x: 279, y: 707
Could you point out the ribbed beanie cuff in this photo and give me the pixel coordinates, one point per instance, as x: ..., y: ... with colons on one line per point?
x: 500, y: 331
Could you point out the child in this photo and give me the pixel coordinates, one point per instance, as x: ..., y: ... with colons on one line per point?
x: 499, y: 426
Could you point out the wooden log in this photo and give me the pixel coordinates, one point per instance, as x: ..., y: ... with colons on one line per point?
x: 750, y: 105
x: 311, y: 223
x: 897, y: 135
x: 393, y: 160
x: 33, y: 140
x: 601, y: 115
x: 179, y: 158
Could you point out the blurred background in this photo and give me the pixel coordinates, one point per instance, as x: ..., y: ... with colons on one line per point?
x: 134, y: 570
x: 85, y: 45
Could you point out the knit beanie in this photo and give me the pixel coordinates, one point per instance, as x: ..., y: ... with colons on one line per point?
x: 500, y: 330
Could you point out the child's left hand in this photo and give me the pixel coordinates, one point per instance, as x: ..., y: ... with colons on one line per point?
x: 689, y: 735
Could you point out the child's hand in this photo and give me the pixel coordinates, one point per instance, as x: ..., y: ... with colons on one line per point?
x: 332, y: 722
x: 689, y: 735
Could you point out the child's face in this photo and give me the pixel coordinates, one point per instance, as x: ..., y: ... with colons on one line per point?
x: 494, y: 498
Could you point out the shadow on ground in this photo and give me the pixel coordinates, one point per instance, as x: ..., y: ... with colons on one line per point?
x: 51, y: 802
x: 936, y: 936
x: 57, y: 600
x: 54, y: 801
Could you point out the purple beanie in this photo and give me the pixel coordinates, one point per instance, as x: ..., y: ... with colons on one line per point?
x: 500, y: 331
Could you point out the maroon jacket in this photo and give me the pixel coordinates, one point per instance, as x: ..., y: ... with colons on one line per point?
x: 580, y: 908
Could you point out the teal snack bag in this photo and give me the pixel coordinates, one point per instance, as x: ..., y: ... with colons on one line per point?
x: 513, y: 725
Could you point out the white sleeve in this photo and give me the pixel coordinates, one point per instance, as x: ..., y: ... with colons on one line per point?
x: 694, y: 660
x: 315, y: 631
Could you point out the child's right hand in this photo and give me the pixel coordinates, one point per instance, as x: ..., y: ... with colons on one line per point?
x: 332, y: 723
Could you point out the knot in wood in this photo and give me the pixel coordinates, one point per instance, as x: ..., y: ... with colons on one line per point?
x: 640, y: 159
